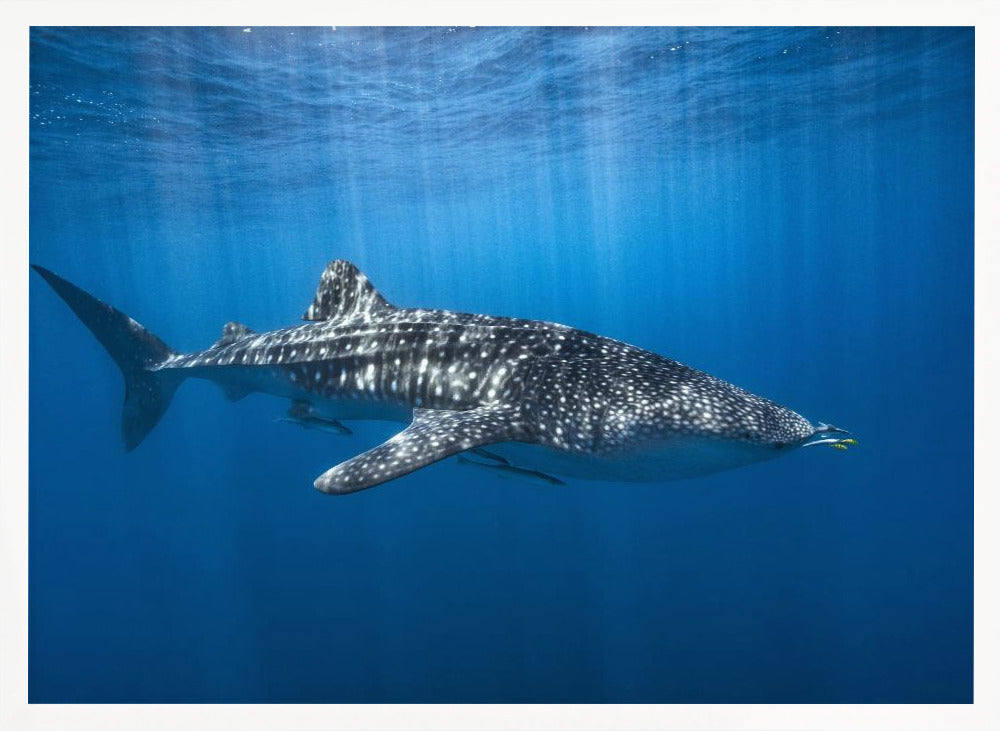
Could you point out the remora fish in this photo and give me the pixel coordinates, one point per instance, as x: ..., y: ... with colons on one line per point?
x: 504, y: 470
x: 303, y: 414
x: 547, y: 397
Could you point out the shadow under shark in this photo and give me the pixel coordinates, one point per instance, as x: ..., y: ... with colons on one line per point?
x: 545, y: 397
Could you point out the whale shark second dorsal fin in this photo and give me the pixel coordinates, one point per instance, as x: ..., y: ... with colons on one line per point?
x: 232, y: 332
x: 344, y: 291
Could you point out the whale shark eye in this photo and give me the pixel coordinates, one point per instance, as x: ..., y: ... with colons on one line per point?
x: 780, y: 445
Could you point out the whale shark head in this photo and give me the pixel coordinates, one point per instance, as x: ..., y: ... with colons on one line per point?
x: 688, y: 424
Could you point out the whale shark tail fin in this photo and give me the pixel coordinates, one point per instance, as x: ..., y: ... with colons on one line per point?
x: 136, y: 351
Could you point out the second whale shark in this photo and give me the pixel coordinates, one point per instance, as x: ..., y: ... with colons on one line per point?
x: 545, y: 398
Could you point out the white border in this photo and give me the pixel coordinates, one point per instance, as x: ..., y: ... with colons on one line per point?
x: 17, y: 16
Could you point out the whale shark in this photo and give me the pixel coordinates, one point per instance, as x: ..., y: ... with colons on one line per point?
x: 523, y: 397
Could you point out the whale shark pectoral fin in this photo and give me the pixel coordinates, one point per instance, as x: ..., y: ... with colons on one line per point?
x: 430, y: 437
x: 344, y: 291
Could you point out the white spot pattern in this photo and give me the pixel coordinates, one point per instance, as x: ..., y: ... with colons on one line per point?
x: 566, y: 389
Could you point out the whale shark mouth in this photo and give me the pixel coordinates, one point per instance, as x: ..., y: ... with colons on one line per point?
x: 833, y: 436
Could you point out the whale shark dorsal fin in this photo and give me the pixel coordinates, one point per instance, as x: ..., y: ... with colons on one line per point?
x: 344, y: 291
x: 430, y: 437
x: 231, y: 333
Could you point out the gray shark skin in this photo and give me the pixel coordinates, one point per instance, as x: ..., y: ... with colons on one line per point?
x: 542, y: 396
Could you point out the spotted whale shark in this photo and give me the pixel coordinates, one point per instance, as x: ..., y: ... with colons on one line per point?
x: 521, y: 396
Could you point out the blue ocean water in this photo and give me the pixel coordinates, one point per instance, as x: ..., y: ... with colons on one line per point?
x: 789, y: 209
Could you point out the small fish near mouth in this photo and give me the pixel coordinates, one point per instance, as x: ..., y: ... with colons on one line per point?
x: 824, y: 435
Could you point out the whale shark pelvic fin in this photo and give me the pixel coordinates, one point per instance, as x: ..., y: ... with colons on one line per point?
x: 430, y: 437
x: 344, y: 291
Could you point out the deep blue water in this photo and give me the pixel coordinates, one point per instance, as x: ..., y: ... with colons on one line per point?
x: 789, y: 209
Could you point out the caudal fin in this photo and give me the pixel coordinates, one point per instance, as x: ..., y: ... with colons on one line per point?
x: 136, y: 351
